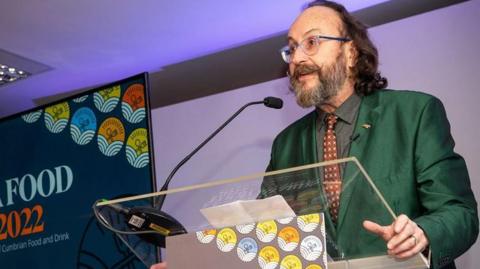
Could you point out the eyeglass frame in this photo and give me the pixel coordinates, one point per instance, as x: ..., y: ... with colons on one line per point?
x: 286, y: 48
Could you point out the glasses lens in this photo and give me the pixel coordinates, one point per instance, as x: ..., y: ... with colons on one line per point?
x: 310, y: 45
x: 285, y: 52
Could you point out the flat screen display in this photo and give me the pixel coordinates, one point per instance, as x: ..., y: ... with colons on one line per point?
x: 57, y: 160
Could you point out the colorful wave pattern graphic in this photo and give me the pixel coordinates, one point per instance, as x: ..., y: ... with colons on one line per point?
x: 249, y: 247
x: 56, y: 117
x: 81, y: 138
x: 84, y: 125
x: 106, y: 100
x: 109, y: 149
x: 137, y: 161
x: 80, y: 99
x: 33, y: 116
x: 55, y: 126
x: 133, y: 103
x: 133, y: 116
x: 111, y: 136
x: 137, y: 148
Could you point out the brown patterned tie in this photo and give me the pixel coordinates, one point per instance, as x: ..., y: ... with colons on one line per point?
x: 332, y: 182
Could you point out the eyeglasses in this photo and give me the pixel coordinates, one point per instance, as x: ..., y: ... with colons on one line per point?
x: 309, y: 46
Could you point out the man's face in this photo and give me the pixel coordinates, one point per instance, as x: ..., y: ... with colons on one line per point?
x: 317, y: 78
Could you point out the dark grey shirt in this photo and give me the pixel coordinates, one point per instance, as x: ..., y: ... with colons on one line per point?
x: 347, y: 115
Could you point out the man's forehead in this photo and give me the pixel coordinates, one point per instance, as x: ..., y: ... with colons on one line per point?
x: 318, y: 19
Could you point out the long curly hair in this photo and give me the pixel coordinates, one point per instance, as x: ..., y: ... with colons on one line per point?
x: 365, y: 70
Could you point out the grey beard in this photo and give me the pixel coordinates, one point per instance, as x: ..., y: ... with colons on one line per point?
x: 331, y: 79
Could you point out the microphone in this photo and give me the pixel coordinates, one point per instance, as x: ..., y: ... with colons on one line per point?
x: 271, y: 102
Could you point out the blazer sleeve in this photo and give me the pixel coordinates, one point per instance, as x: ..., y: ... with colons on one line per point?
x: 450, y: 218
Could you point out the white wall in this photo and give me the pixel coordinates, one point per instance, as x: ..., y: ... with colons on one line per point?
x: 436, y: 52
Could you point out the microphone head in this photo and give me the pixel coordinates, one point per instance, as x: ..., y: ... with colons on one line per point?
x: 273, y: 102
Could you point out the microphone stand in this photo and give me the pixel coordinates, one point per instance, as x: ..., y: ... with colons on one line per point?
x: 161, y: 200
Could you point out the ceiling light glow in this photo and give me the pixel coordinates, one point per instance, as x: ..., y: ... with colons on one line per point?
x: 10, y: 74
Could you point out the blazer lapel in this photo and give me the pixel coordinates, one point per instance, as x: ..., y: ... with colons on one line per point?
x: 367, y: 116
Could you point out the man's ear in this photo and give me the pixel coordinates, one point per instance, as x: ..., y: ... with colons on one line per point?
x: 352, y: 55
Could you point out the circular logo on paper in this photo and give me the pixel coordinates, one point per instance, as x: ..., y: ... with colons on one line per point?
x: 137, y: 148
x: 266, y: 231
x: 32, y: 116
x: 245, y: 228
x: 133, y: 103
x: 285, y: 220
x: 106, y: 100
x: 311, y: 248
x: 314, y: 266
x: 56, y: 117
x: 291, y: 262
x: 80, y: 99
x: 111, y: 136
x: 247, y: 249
x: 288, y: 238
x: 226, y: 240
x: 83, y: 126
x: 308, y: 223
x: 268, y: 257
x: 206, y: 236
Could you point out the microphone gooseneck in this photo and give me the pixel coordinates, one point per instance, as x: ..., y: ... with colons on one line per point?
x: 272, y: 102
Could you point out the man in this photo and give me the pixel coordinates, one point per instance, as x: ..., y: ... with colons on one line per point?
x: 402, y: 139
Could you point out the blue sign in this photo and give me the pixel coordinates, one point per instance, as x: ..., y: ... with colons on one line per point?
x: 57, y: 160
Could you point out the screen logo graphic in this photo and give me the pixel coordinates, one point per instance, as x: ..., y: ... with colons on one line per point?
x: 56, y: 117
x: 106, y: 100
x: 137, y: 148
x: 133, y: 104
x: 32, y: 117
x: 80, y: 99
x: 83, y: 126
x: 111, y: 136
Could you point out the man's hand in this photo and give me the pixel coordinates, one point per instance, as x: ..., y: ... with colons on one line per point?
x: 162, y: 265
x: 404, y: 238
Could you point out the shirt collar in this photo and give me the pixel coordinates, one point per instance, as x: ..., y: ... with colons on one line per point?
x: 347, y: 111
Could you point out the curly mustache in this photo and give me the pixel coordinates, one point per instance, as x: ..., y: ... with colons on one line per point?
x: 305, y: 69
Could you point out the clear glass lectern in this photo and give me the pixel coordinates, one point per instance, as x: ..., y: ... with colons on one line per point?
x: 142, y: 224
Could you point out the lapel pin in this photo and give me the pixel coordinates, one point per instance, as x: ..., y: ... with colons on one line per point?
x: 366, y: 126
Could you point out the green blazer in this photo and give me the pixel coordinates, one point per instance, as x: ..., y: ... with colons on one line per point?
x: 408, y: 152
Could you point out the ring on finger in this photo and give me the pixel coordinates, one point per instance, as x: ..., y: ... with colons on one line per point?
x: 414, y: 239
